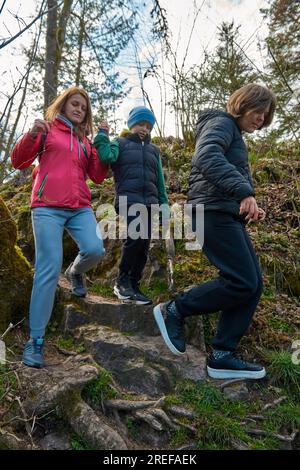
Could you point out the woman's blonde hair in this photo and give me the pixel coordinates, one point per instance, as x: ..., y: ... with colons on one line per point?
x: 252, y: 97
x: 58, y: 105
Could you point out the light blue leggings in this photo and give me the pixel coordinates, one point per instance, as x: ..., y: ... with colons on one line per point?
x: 48, y: 227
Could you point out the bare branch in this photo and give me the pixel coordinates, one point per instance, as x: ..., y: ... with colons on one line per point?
x: 40, y: 15
x: 11, y: 327
x: 191, y: 34
x: 2, y: 6
x: 281, y: 72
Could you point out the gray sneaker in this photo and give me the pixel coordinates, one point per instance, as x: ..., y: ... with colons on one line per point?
x: 123, y: 287
x: 77, y: 282
x: 138, y: 297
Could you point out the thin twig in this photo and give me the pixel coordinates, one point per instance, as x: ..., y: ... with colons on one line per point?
x: 229, y: 382
x: 26, y: 420
x: 40, y: 15
x: 274, y: 403
x: 280, y: 437
x: 11, y: 327
x: 184, y: 425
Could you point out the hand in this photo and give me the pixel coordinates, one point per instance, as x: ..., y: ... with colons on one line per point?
x: 39, y: 125
x: 262, y: 214
x: 249, y: 206
x: 104, y: 125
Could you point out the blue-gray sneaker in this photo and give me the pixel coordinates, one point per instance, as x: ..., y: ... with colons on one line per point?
x: 171, y: 326
x: 77, y: 282
x: 33, y: 355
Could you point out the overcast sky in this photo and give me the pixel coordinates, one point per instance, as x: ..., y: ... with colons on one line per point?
x: 180, y: 15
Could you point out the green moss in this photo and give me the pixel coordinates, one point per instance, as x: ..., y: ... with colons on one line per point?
x: 7, y: 380
x: 69, y: 344
x: 280, y: 324
x: 156, y: 289
x: 179, y: 437
x: 207, y: 398
x: 269, y: 293
x: 78, y: 443
x: 220, y: 430
x: 67, y: 404
x: 219, y: 419
x: 102, y: 290
x: 128, y: 333
x: 285, y: 415
x: 172, y: 400
x: 282, y: 370
x: 128, y: 396
x: 100, y: 388
x: 52, y: 328
x: 266, y: 443
x: 200, y: 396
x: 66, y: 343
x: 132, y: 428
x: 15, y: 273
x: 211, y: 446
x: 209, y: 323
x: 283, y: 272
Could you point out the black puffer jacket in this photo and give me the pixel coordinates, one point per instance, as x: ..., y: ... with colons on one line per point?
x: 220, y: 176
x: 136, y: 171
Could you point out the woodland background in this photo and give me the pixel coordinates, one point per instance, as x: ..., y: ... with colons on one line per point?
x: 78, y: 42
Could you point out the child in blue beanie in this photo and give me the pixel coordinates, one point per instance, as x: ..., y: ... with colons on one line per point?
x: 138, y: 175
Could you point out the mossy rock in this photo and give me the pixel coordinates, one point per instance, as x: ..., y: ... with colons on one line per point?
x: 15, y: 272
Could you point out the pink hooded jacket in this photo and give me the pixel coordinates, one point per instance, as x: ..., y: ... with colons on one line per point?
x: 65, y: 163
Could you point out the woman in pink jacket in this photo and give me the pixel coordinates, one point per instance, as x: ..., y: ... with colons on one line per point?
x: 60, y: 200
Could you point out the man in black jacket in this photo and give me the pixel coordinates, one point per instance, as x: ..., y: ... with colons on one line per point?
x: 220, y: 180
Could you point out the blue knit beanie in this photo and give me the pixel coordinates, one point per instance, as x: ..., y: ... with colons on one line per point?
x: 140, y: 113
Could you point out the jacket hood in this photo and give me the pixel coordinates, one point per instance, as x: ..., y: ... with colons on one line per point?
x: 65, y: 124
x: 208, y: 114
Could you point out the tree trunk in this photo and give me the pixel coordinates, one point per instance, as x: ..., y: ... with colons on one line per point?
x: 80, y: 45
x: 55, y: 39
x: 61, y: 31
x: 50, y: 80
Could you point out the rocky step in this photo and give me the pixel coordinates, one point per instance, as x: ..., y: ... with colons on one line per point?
x: 131, y: 319
x: 122, y: 316
x: 140, y: 363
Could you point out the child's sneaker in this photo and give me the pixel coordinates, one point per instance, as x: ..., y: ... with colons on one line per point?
x: 77, y: 282
x: 123, y: 287
x: 139, y: 298
x: 228, y: 365
x: 171, y: 326
x: 33, y: 355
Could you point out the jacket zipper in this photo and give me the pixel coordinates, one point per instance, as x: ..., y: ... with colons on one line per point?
x: 84, y: 148
x: 40, y: 191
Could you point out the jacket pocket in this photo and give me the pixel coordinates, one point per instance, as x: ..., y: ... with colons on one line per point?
x: 41, y: 188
